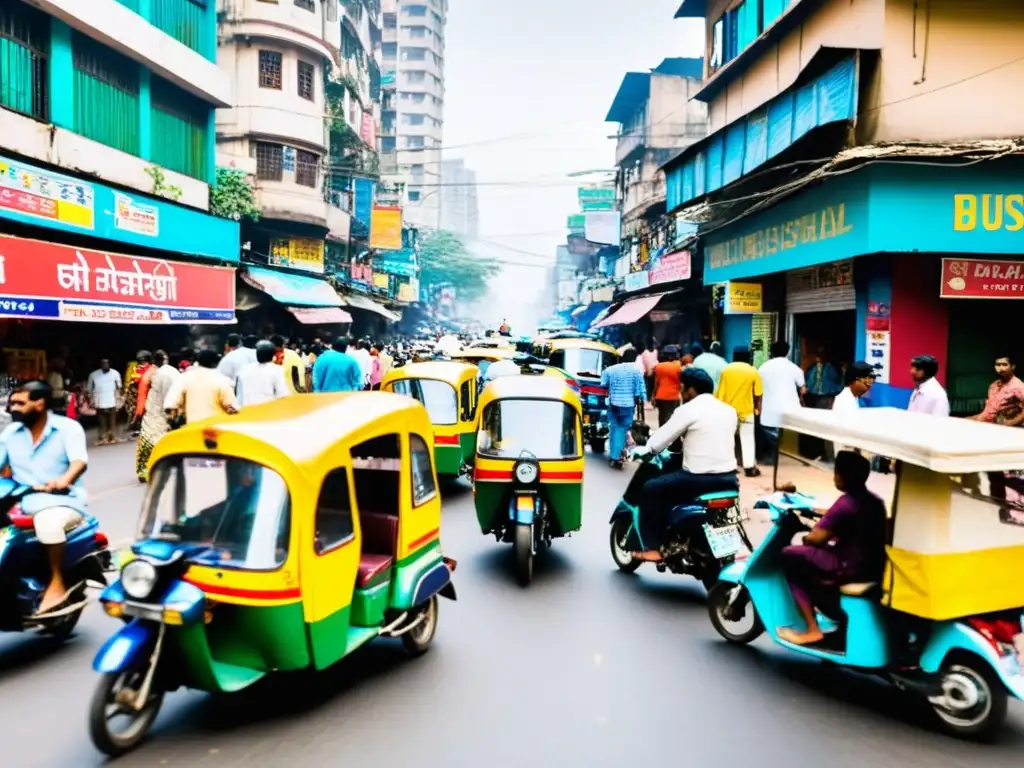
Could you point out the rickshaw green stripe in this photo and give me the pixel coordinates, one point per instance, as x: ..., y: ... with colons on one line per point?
x: 448, y: 459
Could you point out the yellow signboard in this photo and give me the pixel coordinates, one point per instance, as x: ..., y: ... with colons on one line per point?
x: 299, y: 253
x: 742, y: 298
x: 386, y: 228
x: 380, y: 280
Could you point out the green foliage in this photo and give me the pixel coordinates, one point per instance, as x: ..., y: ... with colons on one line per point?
x: 160, y: 186
x: 445, y: 261
x: 233, y: 197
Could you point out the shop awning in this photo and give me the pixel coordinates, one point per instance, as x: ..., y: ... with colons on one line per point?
x: 293, y: 290
x: 320, y: 315
x: 580, y: 310
x: 631, y: 311
x: 365, y: 302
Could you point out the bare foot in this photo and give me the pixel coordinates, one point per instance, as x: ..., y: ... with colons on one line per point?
x: 653, y: 556
x: 52, y: 599
x: 790, y: 635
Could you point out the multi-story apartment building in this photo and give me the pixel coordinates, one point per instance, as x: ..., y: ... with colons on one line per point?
x: 460, y: 208
x: 107, y: 149
x: 412, y: 123
x: 858, y: 192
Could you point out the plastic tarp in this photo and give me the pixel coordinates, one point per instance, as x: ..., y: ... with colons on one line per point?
x: 590, y: 313
x: 320, y: 315
x: 291, y: 289
x: 630, y: 312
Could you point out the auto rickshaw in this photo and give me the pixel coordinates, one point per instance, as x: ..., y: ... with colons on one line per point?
x: 528, y: 475
x: 585, y: 359
x: 482, y: 357
x: 279, y: 539
x: 448, y: 391
x: 945, y: 620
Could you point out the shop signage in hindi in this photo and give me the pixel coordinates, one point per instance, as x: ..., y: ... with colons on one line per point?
x: 982, y: 279
x: 878, y: 350
x: 130, y: 215
x: 40, y: 194
x: 386, y: 228
x: 380, y: 280
x: 299, y: 253
x: 672, y: 267
x: 636, y: 281
x: 661, y: 316
x: 742, y: 298
x: 51, y: 281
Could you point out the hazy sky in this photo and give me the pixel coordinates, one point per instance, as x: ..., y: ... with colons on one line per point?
x: 545, y: 71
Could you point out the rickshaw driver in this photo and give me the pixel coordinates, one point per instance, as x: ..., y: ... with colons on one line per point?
x: 707, y: 428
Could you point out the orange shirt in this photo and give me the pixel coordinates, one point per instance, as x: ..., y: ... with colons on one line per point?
x: 666, y: 381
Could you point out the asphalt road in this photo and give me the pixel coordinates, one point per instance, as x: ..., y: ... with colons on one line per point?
x: 587, y: 667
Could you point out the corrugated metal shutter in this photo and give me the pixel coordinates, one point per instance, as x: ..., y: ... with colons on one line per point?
x: 804, y: 293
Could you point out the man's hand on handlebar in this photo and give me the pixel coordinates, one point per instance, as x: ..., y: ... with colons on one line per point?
x: 57, y: 485
x: 639, y: 453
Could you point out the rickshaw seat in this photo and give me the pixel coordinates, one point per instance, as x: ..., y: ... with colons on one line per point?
x: 373, y: 570
x: 858, y: 589
x: 380, y: 532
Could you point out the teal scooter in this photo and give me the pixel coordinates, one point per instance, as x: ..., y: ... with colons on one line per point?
x: 965, y: 669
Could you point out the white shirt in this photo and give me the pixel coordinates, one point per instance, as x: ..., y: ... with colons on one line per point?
x: 365, y: 360
x: 929, y: 397
x: 708, y: 429
x: 261, y: 383
x: 234, y: 361
x: 103, y: 386
x: 847, y: 402
x: 501, y: 368
x: 782, y: 380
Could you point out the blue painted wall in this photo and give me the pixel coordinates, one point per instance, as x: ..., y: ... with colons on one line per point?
x: 736, y: 330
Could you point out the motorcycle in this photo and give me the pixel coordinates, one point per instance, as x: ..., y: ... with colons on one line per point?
x: 25, y: 571
x: 703, y: 536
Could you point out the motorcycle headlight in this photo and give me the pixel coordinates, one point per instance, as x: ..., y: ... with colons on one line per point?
x: 527, y: 472
x: 138, y: 578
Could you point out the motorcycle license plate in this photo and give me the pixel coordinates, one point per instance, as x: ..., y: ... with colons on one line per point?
x: 724, y: 542
x: 524, y: 503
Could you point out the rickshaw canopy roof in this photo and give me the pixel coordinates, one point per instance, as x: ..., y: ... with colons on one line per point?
x: 483, y: 353
x: 440, y: 370
x: 579, y: 344
x: 529, y: 388
x: 944, y: 445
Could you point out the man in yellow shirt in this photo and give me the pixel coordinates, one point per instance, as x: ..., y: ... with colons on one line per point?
x: 293, y: 368
x: 740, y: 386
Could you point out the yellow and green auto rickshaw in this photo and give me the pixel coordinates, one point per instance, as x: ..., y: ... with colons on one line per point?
x: 448, y: 390
x: 528, y: 475
x: 585, y: 359
x: 279, y: 539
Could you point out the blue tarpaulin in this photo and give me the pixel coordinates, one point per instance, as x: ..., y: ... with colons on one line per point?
x: 292, y: 289
x: 586, y: 317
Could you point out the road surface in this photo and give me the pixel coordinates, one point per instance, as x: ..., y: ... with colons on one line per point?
x: 587, y: 667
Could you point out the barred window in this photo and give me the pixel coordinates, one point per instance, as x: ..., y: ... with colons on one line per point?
x: 306, y: 5
x: 307, y: 76
x: 306, y: 166
x: 269, y: 161
x: 270, y: 70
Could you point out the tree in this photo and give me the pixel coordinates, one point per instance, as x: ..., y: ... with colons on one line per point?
x: 233, y: 196
x: 445, y: 262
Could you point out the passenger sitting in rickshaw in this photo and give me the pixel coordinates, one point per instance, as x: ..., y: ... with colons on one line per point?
x: 847, y: 545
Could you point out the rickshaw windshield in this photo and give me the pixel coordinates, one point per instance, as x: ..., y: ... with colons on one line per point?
x: 545, y: 428
x: 583, y: 362
x: 438, y: 397
x: 240, y: 509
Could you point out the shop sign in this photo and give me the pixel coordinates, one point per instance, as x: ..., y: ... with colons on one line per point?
x: 409, y: 292
x: 131, y: 215
x: 595, y: 196
x: 50, y: 281
x: 742, y: 298
x: 362, y: 204
x: 39, y: 194
x: 401, y: 263
x: 576, y: 223
x: 636, y: 281
x: 288, y: 158
x: 661, y: 317
x: 369, y: 130
x: 671, y: 267
x: 380, y: 280
x: 386, y: 228
x: 982, y: 279
x: 299, y: 253
x: 879, y: 354
x: 604, y: 228
x: 878, y: 316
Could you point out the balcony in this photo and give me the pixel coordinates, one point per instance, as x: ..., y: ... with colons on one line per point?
x: 292, y: 202
x: 285, y: 21
x: 641, y: 195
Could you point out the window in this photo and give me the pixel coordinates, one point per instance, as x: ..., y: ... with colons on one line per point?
x: 415, y: 10
x: 413, y: 119
x: 333, y: 526
x: 438, y: 397
x: 416, y: 76
x: 24, y: 60
x: 270, y: 70
x: 424, y: 488
x: 466, y: 401
x: 306, y: 5
x: 414, y: 196
x: 269, y: 161
x: 717, y: 46
x: 583, y: 362
x: 179, y: 127
x: 106, y: 95
x: 307, y: 76
x: 417, y: 169
x: 184, y: 20
x: 417, y: 31
x: 548, y: 430
x: 390, y: 21
x: 413, y: 142
x: 306, y: 166
x: 389, y: 50
x: 414, y: 54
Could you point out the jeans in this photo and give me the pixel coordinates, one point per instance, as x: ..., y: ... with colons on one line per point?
x: 620, y: 419
x: 672, y: 489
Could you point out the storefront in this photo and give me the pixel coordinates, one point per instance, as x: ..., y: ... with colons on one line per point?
x: 302, y: 306
x: 892, y: 261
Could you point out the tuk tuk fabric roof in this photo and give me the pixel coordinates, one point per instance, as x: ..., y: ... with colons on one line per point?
x: 442, y: 370
x: 529, y: 388
x: 945, y: 445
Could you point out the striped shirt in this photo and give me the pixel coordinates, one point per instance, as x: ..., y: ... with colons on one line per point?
x: 624, y: 383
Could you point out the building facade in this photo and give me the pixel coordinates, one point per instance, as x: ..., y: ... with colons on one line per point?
x: 412, y: 121
x: 859, y: 193
x: 460, y: 208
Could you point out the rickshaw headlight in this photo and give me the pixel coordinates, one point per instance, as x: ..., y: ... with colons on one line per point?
x: 527, y: 472
x: 138, y: 578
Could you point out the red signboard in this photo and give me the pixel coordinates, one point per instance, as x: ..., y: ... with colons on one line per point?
x: 672, y: 267
x: 369, y: 130
x: 47, y: 280
x: 982, y: 279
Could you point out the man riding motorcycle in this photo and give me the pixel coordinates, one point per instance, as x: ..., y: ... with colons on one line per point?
x: 707, y: 429
x: 47, y: 452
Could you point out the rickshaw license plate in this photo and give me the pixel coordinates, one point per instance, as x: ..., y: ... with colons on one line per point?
x: 524, y: 503
x: 724, y: 542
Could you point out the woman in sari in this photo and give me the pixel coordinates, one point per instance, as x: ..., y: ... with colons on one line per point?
x: 154, y: 385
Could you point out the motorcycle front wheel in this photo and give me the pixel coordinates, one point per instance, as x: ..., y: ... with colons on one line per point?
x: 523, y: 547
x: 106, y: 707
x: 726, y: 613
x: 617, y: 541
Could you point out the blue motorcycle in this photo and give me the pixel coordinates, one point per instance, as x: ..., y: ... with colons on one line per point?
x: 25, y: 570
x: 963, y: 668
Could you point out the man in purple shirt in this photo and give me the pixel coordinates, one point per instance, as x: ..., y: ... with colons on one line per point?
x: 928, y: 395
x: 847, y: 545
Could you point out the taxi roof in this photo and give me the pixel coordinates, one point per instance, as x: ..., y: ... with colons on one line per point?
x: 579, y: 344
x: 530, y: 388
x: 442, y: 370
x: 945, y: 445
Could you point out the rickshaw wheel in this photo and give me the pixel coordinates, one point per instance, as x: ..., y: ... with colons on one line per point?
x: 523, y: 547
x: 104, y: 699
x: 979, y: 698
x: 617, y: 541
x: 417, y: 641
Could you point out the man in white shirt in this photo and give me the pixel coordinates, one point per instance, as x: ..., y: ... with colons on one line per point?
x: 262, y: 381
x: 362, y: 356
x: 860, y: 377
x: 707, y: 428
x: 501, y: 368
x: 236, y: 357
x: 102, y: 387
x: 784, y: 386
x: 928, y: 396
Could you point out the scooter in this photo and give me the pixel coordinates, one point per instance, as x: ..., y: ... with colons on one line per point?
x: 962, y: 668
x: 25, y: 571
x: 703, y: 537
